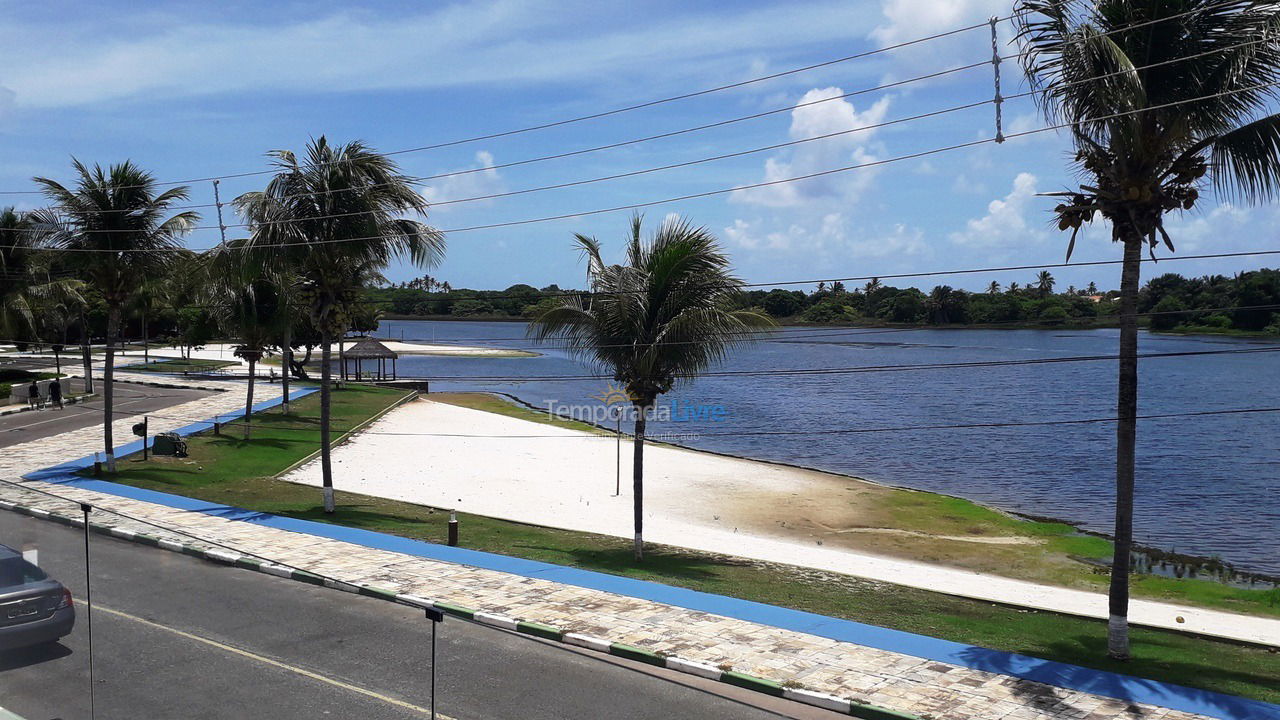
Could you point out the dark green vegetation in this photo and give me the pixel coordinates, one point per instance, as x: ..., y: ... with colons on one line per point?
x: 229, y: 470
x: 1248, y: 303
x: 10, y: 377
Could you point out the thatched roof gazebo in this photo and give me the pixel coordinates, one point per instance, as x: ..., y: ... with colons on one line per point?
x: 369, y: 349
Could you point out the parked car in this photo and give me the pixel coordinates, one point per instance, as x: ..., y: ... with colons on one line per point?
x: 34, y: 608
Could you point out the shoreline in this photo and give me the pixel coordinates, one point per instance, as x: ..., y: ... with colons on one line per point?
x: 1155, y: 552
x: 1098, y: 324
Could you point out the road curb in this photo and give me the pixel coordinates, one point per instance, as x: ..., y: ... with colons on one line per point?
x: 74, y: 400
x: 539, y: 630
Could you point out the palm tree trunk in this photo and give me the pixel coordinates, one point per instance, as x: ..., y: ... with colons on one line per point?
x: 108, y: 373
x: 637, y: 482
x: 86, y: 354
x: 342, y: 359
x: 326, y: 465
x: 146, y: 346
x: 248, y: 398
x: 286, y: 359
x: 1126, y: 442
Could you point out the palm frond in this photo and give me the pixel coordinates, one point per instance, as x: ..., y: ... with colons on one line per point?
x: 1247, y: 160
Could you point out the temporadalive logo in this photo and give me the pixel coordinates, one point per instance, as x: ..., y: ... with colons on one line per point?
x: 616, y: 404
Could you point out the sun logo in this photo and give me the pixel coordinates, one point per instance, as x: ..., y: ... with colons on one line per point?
x: 613, y: 395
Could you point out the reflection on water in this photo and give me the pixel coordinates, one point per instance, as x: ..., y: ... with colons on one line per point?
x: 1206, y: 486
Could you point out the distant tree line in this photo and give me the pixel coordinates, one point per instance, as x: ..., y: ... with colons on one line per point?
x: 1250, y: 301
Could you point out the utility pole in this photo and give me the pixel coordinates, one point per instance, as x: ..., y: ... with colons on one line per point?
x: 217, y: 201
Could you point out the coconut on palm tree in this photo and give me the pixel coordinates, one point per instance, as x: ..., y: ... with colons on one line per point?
x: 331, y: 221
x: 1155, y: 112
x: 661, y: 318
x: 115, y: 235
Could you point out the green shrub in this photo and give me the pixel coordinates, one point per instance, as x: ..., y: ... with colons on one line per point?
x: 829, y: 311
x: 1053, y: 312
x: 1167, y: 313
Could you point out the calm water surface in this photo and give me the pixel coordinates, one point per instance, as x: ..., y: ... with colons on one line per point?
x: 1206, y: 485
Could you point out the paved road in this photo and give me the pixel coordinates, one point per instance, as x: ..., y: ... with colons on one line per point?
x: 177, y: 637
x: 130, y: 399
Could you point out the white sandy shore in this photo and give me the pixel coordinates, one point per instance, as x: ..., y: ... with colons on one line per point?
x: 226, y: 351
x: 494, y: 465
x: 416, y: 348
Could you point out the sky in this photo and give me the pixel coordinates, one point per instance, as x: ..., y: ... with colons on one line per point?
x: 197, y: 89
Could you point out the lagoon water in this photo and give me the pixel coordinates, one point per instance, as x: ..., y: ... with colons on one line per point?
x: 1206, y: 485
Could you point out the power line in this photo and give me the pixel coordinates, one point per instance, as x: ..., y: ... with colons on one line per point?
x: 601, y: 114
x: 721, y: 191
x: 689, y: 163
x: 1126, y: 28
x: 698, y: 161
x: 623, y: 143
x: 857, y: 369
x: 604, y: 432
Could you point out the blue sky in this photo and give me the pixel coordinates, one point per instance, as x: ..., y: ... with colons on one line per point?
x: 194, y: 89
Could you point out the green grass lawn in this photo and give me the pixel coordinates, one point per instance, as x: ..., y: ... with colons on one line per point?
x: 179, y: 365
x: 232, y: 471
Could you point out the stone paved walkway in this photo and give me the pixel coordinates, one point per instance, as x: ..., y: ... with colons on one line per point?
x: 845, y: 670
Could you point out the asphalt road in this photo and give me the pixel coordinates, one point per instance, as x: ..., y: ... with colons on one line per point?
x: 130, y: 399
x: 178, y: 637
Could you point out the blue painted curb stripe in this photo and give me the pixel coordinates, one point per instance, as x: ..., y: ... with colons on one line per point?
x: 1098, y: 682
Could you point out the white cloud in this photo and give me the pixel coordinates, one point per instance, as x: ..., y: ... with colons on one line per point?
x: 812, y: 121
x: 487, y: 181
x: 1219, y: 229
x: 1006, y: 223
x: 906, y: 20
x: 833, y: 236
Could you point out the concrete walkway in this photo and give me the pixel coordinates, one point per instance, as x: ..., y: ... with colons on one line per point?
x: 706, y: 635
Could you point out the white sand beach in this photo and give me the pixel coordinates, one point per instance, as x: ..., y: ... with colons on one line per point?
x: 416, y: 348
x: 490, y: 464
x: 226, y: 352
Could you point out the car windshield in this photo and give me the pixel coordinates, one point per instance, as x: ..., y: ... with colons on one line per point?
x: 16, y: 572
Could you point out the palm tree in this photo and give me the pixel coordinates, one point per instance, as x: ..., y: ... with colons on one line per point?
x: 660, y: 319
x: 19, y: 244
x: 1146, y: 140
x: 248, y: 307
x: 115, y: 234
x: 1045, y: 283
x: 1092, y: 289
x: 331, y: 221
x: 146, y: 301
x: 1014, y: 287
x: 993, y: 288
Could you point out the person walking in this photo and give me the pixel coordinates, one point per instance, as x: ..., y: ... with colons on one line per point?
x: 33, y: 395
x: 55, y: 393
